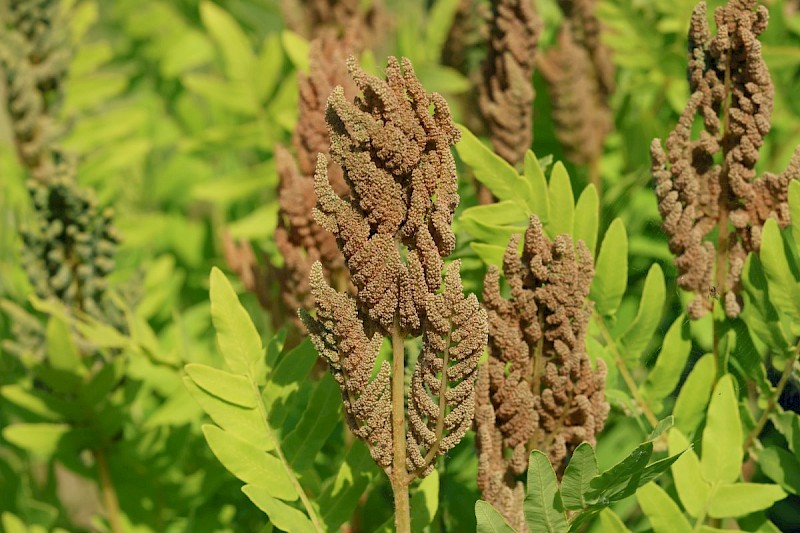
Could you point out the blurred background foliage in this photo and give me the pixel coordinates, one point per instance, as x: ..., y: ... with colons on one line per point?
x: 172, y: 112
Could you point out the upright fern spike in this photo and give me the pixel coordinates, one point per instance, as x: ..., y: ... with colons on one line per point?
x: 506, y: 91
x: 34, y: 56
x: 732, y: 93
x: 580, y: 76
x: 394, y: 231
x: 538, y: 389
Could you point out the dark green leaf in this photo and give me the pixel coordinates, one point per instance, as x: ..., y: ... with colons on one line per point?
x: 782, y: 467
x: 582, y: 468
x: 543, y: 508
x: 319, y: 419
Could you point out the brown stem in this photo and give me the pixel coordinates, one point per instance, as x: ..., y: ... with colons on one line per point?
x: 625, y: 373
x: 398, y: 476
x: 536, y: 378
x: 434, y: 450
x: 773, y: 400
x: 110, y: 501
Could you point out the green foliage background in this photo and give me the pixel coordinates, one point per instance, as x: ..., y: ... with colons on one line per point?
x: 174, y: 109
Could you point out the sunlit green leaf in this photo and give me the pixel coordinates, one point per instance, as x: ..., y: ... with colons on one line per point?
x: 611, y: 270
x: 722, y: 436
x: 664, y: 514
x: 732, y: 500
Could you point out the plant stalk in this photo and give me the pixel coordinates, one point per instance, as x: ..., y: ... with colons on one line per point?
x: 398, y: 476
x: 110, y: 500
x: 625, y: 373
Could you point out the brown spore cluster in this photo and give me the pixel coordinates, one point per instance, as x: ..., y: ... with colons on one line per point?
x: 710, y: 182
x: 538, y: 389
x: 580, y: 76
x: 393, y: 143
x: 506, y: 91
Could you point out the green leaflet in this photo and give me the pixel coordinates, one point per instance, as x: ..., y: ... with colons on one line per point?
x: 245, y: 440
x: 664, y: 514
x: 691, y: 404
x: 493, y: 171
x: 440, y: 19
x: 582, y: 468
x: 250, y: 464
x: 743, y: 498
x: 782, y: 467
x: 232, y: 388
x: 723, y: 435
x: 780, y: 271
x: 297, y: 49
x: 230, y: 39
x: 489, y: 253
x: 39, y: 439
x: 319, y: 419
x: 587, y: 214
x: 40, y: 404
x: 543, y: 508
x: 562, y: 201
x: 666, y: 373
x: 489, y: 520
x: 340, y: 497
x: 692, y: 489
x: 270, y: 66
x: 611, y: 523
x: 540, y: 203
x: 287, y: 378
x: 237, y: 337
x: 644, y: 325
x: 425, y: 502
x: 761, y: 316
x: 623, y: 476
x: 62, y: 353
x: 244, y: 423
x: 794, y: 210
x: 281, y: 515
x: 611, y: 270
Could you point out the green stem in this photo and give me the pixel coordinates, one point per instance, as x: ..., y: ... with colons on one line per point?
x: 773, y: 400
x: 110, y: 500
x: 398, y: 476
x: 625, y: 373
x: 312, y: 515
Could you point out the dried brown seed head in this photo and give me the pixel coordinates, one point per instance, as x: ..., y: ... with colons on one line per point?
x: 732, y: 95
x: 506, y: 92
x: 538, y: 389
x: 580, y: 77
x: 396, y: 160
